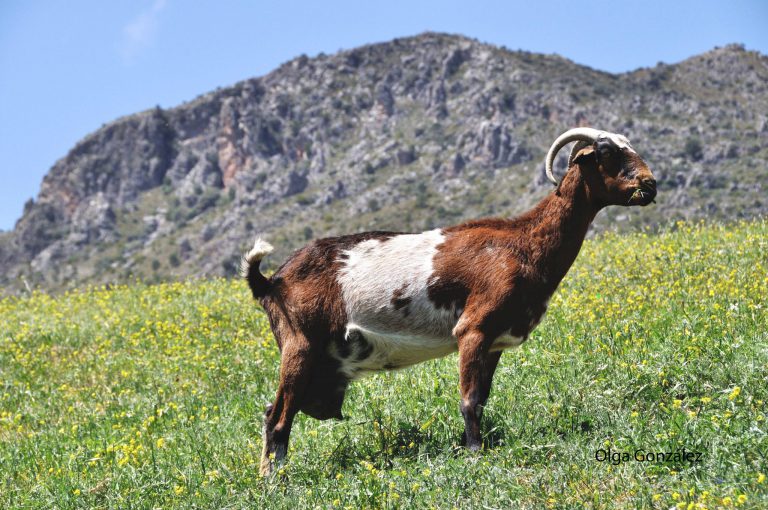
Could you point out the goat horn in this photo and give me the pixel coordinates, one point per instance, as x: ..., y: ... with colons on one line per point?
x: 583, y: 134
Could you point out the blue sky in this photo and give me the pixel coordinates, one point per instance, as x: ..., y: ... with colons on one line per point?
x: 66, y: 68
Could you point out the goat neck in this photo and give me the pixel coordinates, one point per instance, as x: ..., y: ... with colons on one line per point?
x: 559, y: 224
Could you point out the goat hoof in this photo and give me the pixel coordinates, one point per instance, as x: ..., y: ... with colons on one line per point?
x: 265, y: 469
x: 475, y: 446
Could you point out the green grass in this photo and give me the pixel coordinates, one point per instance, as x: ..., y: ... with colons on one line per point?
x: 152, y: 396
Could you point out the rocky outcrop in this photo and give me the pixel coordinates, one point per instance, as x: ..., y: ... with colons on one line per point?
x: 404, y: 135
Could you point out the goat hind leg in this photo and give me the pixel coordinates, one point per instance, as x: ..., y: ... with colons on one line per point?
x: 295, y: 372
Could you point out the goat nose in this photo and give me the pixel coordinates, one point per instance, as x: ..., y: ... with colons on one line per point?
x: 648, y: 181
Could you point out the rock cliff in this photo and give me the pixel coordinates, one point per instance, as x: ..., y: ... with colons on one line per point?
x: 404, y: 135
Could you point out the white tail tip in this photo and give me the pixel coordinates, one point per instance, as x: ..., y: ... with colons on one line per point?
x: 260, y: 250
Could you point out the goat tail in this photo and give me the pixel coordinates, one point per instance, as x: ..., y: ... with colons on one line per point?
x: 249, y: 268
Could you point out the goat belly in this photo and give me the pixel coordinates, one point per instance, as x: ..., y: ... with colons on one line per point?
x: 384, y: 287
x: 506, y: 342
x: 387, y: 351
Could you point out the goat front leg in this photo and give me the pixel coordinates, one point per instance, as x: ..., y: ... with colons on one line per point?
x: 489, y: 368
x: 474, y: 382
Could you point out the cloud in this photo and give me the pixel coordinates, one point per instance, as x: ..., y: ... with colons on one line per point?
x: 140, y: 32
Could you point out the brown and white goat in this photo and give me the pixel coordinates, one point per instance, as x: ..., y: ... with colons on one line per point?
x: 347, y: 306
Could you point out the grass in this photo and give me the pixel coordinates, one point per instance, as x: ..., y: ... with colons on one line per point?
x: 146, y: 396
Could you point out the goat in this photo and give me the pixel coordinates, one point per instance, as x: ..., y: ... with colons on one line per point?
x: 343, y: 307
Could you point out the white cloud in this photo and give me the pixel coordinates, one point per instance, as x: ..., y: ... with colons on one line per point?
x: 140, y: 32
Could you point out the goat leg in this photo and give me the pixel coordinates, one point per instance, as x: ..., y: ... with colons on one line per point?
x: 472, y: 380
x: 491, y: 362
x: 295, y: 373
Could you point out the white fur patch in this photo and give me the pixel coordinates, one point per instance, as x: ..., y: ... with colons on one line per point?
x: 384, y: 284
x: 506, y: 342
x: 395, y: 351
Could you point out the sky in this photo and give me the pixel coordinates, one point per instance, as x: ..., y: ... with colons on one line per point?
x: 67, y: 68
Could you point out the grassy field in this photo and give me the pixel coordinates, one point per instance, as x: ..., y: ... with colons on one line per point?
x: 152, y: 396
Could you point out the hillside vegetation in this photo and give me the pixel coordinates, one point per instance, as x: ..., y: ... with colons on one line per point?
x: 141, y: 396
x: 407, y: 134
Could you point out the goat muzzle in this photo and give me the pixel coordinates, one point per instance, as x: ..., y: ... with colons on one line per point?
x: 645, y: 193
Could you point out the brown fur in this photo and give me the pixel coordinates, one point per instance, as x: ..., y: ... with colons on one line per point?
x: 399, y: 302
x: 498, y: 274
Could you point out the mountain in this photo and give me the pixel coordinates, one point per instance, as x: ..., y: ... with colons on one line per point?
x: 405, y: 135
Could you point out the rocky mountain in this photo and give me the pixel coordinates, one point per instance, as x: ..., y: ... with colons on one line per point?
x: 405, y: 135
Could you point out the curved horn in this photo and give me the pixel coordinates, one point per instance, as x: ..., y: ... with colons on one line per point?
x: 583, y: 134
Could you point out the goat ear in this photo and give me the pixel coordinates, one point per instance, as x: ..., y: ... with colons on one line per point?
x: 585, y: 154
